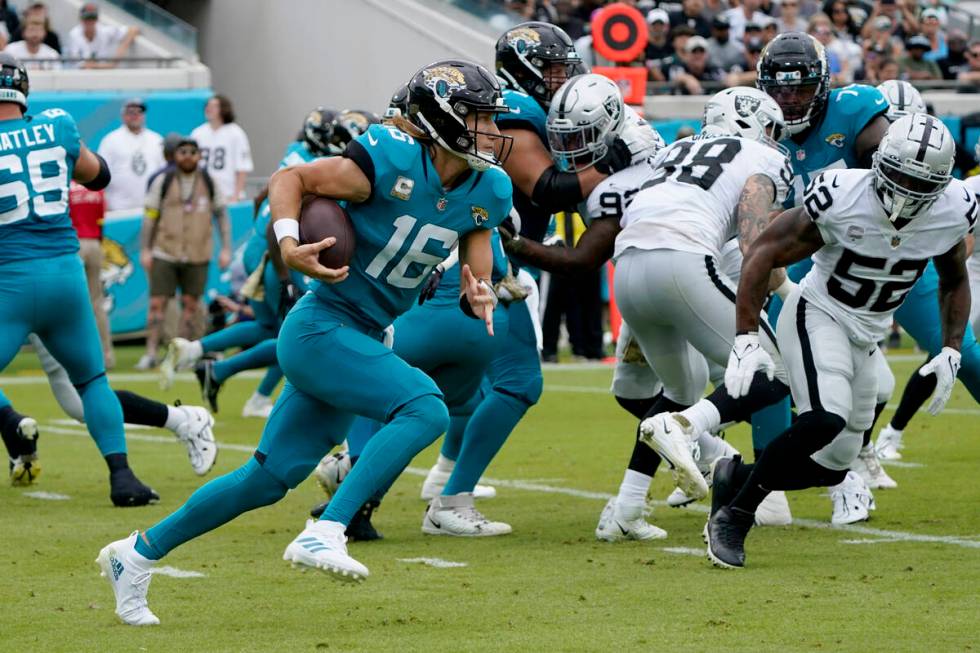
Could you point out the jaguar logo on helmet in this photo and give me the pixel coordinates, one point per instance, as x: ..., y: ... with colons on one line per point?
x: 315, y: 118
x: 746, y: 106
x: 443, y: 80
x: 354, y: 122
x: 522, y: 38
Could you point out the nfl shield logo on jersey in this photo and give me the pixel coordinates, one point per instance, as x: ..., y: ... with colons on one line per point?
x: 480, y: 215
x: 441, y: 204
x: 896, y: 241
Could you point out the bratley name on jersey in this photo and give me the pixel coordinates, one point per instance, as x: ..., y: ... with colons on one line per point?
x: 27, y: 137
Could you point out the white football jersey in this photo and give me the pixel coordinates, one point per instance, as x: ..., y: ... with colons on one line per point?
x: 615, y: 193
x: 866, y: 268
x: 973, y: 183
x: 689, y: 205
x: 225, y: 151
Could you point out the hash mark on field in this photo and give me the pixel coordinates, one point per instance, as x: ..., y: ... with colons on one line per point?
x: 871, y: 540
x: 438, y: 563
x: 47, y: 496
x: 684, y: 550
x: 173, y: 572
x: 67, y: 421
x: 586, y: 494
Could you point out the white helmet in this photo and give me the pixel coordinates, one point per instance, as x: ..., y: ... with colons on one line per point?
x: 903, y: 99
x: 746, y: 112
x: 913, y: 165
x: 584, y: 112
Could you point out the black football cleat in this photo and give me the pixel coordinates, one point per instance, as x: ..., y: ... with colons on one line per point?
x: 727, y: 530
x: 318, y: 509
x: 204, y: 371
x: 723, y: 488
x: 360, y: 528
x: 127, y: 491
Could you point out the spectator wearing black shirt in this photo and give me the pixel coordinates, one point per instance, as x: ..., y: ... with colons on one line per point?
x: 723, y: 51
x: 39, y: 11
x: 692, y: 15
x: 659, y: 47
x: 745, y: 75
x: 969, y: 79
x: 955, y: 59
x: 694, y: 68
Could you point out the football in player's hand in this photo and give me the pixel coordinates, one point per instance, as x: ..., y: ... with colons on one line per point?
x: 321, y: 218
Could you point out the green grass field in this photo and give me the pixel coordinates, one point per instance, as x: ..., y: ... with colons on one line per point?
x: 906, y: 581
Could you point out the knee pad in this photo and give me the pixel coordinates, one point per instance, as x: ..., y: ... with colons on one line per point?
x: 428, y: 409
x: 841, y: 451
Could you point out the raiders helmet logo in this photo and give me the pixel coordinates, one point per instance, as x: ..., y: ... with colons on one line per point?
x: 746, y: 106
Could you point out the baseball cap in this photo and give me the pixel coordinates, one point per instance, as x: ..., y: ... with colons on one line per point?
x: 185, y: 140
x: 883, y: 23
x: 696, y: 42
x: 753, y: 27
x: 931, y: 13
x: 720, y: 21
x: 918, y: 41
x: 135, y: 102
x: 658, y: 16
x: 89, y: 10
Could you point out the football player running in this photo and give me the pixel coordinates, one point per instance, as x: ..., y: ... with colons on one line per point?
x: 41, y: 277
x: 670, y: 287
x: 436, y: 187
x: 917, y: 316
x: 871, y: 234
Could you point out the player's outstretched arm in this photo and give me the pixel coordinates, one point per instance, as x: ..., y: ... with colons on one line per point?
x: 789, y: 238
x: 753, y: 209
x: 91, y: 170
x: 476, y: 291
x: 593, y: 248
x: 954, y: 294
x: 338, y: 178
x: 532, y: 170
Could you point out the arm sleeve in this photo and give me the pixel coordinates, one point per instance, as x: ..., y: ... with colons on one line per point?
x: 357, y: 153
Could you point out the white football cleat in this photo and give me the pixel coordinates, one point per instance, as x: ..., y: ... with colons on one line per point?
x: 146, y: 362
x: 182, y: 354
x: 456, y: 515
x: 616, y: 525
x: 129, y: 575
x: 773, y: 511
x: 852, y: 500
x: 332, y: 470
x: 258, y: 405
x: 437, y: 478
x: 888, y: 443
x: 669, y: 434
x: 322, y: 545
x: 719, y: 448
x: 195, y: 432
x: 869, y: 468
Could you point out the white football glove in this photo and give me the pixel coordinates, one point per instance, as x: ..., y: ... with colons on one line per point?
x: 388, y: 340
x: 747, y: 358
x: 640, y: 137
x: 945, y: 365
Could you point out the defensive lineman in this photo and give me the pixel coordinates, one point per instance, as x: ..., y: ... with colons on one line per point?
x: 871, y: 234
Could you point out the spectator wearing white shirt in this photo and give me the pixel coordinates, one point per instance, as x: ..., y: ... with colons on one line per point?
x: 92, y: 40
x: 133, y: 153
x: 739, y: 16
x: 225, y: 151
x: 33, y: 47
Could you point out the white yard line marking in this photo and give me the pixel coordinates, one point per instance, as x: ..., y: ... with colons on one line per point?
x: 67, y: 421
x: 871, y: 540
x: 952, y: 540
x: 47, y: 496
x: 173, y: 572
x: 684, y: 550
x: 438, y: 563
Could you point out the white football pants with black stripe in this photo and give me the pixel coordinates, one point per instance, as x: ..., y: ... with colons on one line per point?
x: 680, y: 307
x: 828, y: 371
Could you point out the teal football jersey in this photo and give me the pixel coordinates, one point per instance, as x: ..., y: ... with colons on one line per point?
x: 448, y: 291
x: 296, y: 153
x: 525, y: 113
x: 408, y: 224
x: 37, y: 161
x: 831, y: 144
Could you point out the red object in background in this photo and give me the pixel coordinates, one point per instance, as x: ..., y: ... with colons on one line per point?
x: 615, y: 319
x: 619, y: 32
x: 631, y: 81
x: 87, y: 209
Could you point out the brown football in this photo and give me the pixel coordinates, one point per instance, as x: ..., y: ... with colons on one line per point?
x: 321, y: 218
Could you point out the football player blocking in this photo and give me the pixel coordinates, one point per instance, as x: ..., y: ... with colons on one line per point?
x: 453, y: 166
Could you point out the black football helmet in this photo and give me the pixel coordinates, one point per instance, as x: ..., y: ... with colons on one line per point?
x: 14, y: 85
x: 793, y: 70
x: 537, y: 58
x: 441, y: 98
x: 351, y: 123
x: 318, y: 131
x: 398, y: 106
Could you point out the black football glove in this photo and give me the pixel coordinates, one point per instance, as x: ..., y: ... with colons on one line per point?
x: 289, y: 294
x: 429, y: 288
x: 618, y: 156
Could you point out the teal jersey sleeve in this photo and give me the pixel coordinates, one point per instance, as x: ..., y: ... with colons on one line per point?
x: 39, y: 154
x: 408, y: 225
x: 831, y: 144
x: 525, y: 113
x: 296, y: 153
